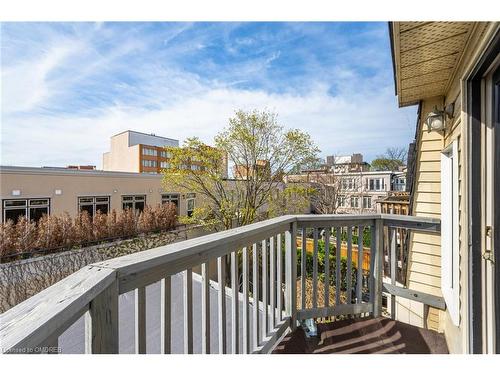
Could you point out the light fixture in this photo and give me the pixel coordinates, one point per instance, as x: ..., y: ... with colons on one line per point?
x: 58, y: 192
x: 435, y: 119
x: 16, y: 192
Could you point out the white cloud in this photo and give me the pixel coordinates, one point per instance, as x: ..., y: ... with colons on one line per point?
x: 26, y: 83
x: 337, y: 124
x: 341, y: 110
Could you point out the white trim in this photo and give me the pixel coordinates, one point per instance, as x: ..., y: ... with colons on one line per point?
x: 450, y: 283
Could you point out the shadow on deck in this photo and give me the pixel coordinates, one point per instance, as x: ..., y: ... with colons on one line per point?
x: 364, y: 336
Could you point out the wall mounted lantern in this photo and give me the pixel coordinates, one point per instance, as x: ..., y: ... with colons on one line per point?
x: 435, y: 119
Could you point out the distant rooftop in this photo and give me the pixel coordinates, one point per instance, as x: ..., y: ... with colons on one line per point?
x: 72, y: 171
x: 135, y: 138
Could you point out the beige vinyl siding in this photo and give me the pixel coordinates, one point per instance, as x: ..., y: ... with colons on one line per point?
x: 424, y: 267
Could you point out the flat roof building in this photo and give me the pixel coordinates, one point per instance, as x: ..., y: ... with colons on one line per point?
x: 133, y: 151
x: 32, y: 192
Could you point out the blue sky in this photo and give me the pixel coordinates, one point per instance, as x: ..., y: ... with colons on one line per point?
x: 67, y: 87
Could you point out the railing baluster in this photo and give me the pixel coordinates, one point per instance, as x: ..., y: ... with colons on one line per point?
x: 188, y: 311
x: 338, y: 273
x: 140, y: 320
x: 101, y: 323
x: 272, y: 281
x: 246, y: 313
x: 265, y: 302
x: 359, y: 280
x: 279, y: 277
x: 291, y: 274
x: 205, y: 308
x: 303, y: 264
x: 373, y: 253
x: 166, y: 315
x: 315, y: 269
x: 378, y: 267
x: 327, y: 267
x: 392, y: 239
x: 349, y: 264
x: 235, y: 328
x: 221, y: 270
x: 255, y: 282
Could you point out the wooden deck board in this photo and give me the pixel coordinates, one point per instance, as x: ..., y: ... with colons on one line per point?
x: 364, y: 336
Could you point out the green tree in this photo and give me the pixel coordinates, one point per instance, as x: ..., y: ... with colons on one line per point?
x: 253, y: 142
x: 391, y: 160
x: 292, y: 199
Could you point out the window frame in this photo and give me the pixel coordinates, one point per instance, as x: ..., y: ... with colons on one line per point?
x: 93, y: 203
x: 26, y: 207
x: 367, y: 198
x: 190, y: 197
x: 134, y: 199
x: 450, y: 252
x: 170, y: 198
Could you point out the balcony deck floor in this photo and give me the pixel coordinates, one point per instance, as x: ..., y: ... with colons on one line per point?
x: 364, y: 336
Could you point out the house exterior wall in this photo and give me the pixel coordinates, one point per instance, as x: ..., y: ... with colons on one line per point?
x: 424, y: 257
x: 360, y: 189
x: 424, y: 268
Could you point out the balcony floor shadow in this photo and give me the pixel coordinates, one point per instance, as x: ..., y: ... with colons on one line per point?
x: 364, y: 336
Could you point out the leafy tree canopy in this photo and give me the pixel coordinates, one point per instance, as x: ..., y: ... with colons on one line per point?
x: 391, y: 160
x: 254, y: 142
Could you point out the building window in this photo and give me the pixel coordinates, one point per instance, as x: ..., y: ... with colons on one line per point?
x: 149, y: 163
x: 367, y: 202
x: 190, y: 202
x: 133, y: 202
x: 149, y: 151
x: 166, y: 154
x: 32, y: 209
x: 375, y: 184
x: 164, y: 164
x: 93, y: 204
x: 341, y: 201
x: 354, y: 202
x: 400, y: 184
x: 171, y: 198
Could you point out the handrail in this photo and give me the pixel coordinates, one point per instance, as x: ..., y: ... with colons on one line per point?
x: 49, y: 313
x: 43, y: 317
x: 146, y: 267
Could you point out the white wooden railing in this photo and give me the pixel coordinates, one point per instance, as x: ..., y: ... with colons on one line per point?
x: 265, y: 295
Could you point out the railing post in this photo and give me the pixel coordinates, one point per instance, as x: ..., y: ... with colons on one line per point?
x: 101, y: 322
x: 166, y: 315
x: 378, y: 265
x: 291, y: 274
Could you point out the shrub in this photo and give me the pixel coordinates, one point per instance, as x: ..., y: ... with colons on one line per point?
x: 332, y: 267
x: 55, y: 231
x: 8, y: 238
